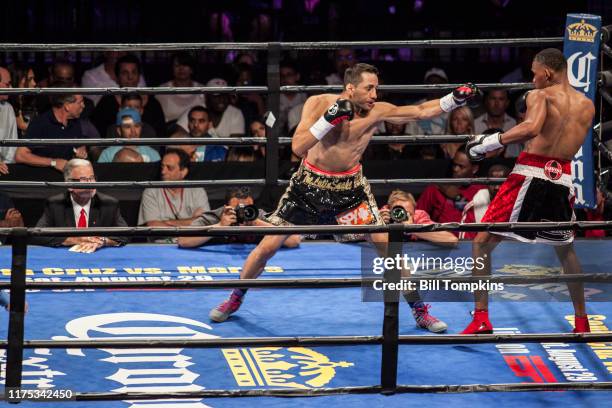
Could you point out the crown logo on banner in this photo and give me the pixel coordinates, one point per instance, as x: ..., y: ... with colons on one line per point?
x: 294, y: 367
x: 582, y: 32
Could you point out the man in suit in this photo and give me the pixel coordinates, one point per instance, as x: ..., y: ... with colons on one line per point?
x: 81, y: 208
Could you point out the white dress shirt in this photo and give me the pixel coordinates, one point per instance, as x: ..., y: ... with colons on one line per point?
x: 76, y: 209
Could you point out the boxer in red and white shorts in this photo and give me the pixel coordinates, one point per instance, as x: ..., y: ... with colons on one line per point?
x: 539, y: 189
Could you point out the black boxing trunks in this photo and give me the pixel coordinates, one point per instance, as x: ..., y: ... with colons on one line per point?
x: 539, y: 189
x: 315, y: 196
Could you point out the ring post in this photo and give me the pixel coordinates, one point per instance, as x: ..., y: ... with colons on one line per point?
x: 273, y: 132
x: 14, y: 361
x: 390, y: 344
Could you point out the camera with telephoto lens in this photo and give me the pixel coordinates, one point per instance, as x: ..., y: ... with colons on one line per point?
x: 398, y: 214
x: 245, y: 213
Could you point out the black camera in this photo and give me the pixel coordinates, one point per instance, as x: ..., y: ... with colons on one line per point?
x: 398, y: 214
x: 245, y: 213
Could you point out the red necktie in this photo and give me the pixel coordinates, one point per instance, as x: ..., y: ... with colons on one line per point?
x: 82, y: 219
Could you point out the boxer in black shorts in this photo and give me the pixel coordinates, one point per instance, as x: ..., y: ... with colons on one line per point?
x: 328, y: 187
x: 317, y: 196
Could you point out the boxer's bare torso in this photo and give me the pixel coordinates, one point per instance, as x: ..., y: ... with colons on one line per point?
x: 566, y: 114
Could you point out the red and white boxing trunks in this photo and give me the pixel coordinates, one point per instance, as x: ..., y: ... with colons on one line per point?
x: 539, y: 189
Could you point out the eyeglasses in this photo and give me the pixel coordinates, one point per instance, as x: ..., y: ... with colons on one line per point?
x: 83, y: 179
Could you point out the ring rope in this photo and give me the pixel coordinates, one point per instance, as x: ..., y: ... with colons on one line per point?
x: 326, y: 45
x: 230, y: 182
x: 247, y: 89
x: 229, y: 141
x: 375, y: 389
x: 212, y: 231
x: 319, y: 341
x: 308, y: 283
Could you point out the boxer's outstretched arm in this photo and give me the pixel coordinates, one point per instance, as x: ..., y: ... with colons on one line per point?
x: 534, y: 120
x: 404, y: 114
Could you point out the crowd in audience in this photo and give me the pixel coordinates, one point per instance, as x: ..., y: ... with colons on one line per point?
x: 214, y: 115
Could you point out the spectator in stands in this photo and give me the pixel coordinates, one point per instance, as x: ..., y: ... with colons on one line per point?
x: 445, y: 203
x: 477, y: 207
x: 293, y: 118
x: 460, y: 122
x: 520, y: 109
x: 407, y: 201
x: 251, y: 105
x: 199, y: 126
x: 8, y: 124
x: 391, y: 151
x: 60, y: 122
x: 601, y: 212
x: 183, y: 69
x: 289, y: 76
x: 127, y: 155
x: 104, y: 76
x: 241, y: 154
x: 258, y: 129
x: 177, y: 132
x: 496, y: 103
x: 514, y: 149
x: 176, y: 206
x: 62, y: 71
x: 428, y: 152
x: 81, y: 208
x: 245, y: 58
x: 134, y: 101
x: 24, y: 105
x: 129, y: 125
x: 227, y: 120
x: 128, y: 72
x: 10, y: 216
x: 437, y: 125
x: 496, y: 119
x: 225, y: 216
x: 343, y: 58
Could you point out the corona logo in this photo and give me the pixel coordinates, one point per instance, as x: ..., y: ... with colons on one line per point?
x: 582, y: 32
x: 294, y: 367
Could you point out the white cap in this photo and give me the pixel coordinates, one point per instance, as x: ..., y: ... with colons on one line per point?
x: 217, y: 82
x: 437, y: 72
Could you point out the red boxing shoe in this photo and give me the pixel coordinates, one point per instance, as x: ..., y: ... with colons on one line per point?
x: 480, y: 324
x: 581, y: 324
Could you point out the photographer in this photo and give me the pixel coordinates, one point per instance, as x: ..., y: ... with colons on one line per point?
x: 238, y: 210
x: 410, y: 215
